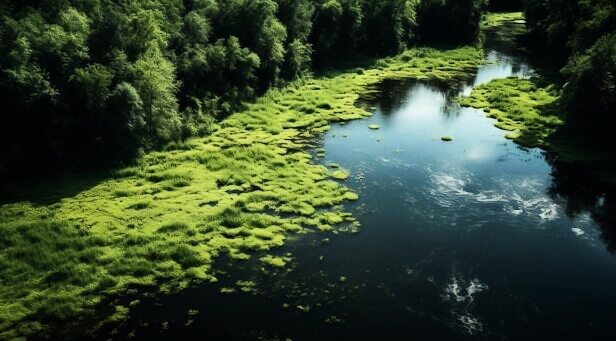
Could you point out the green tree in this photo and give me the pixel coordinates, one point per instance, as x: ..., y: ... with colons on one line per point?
x: 92, y: 84
x: 450, y: 21
x: 591, y: 82
x: 336, y: 28
x: 154, y: 79
x: 219, y: 75
x: 397, y: 20
x: 126, y: 121
x: 296, y: 16
x: 140, y: 32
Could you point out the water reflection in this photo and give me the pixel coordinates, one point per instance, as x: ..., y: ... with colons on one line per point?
x: 394, y: 93
x: 498, y: 65
x: 474, y: 238
x: 584, y: 197
x: 496, y: 217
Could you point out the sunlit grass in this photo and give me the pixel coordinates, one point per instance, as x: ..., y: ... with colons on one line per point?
x: 162, y: 222
x: 520, y: 106
x: 497, y: 20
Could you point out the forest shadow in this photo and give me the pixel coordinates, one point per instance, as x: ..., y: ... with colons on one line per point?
x: 583, y: 192
x: 355, y: 63
x: 390, y: 94
x: 51, y: 189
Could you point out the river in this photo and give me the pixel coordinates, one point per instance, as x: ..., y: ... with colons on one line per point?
x: 468, y: 239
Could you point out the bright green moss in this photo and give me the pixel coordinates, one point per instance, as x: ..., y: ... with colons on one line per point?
x: 340, y: 175
x: 520, y: 106
x: 163, y: 222
x: 278, y: 262
x: 529, y: 111
x: 351, y: 196
x: 498, y: 20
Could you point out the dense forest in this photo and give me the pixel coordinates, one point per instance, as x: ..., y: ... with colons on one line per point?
x: 94, y: 82
x: 228, y: 145
x: 579, y: 37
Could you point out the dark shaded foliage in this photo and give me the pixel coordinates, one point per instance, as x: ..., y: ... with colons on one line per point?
x: 450, y: 21
x: 505, y: 5
x: 581, y: 36
x: 94, y: 82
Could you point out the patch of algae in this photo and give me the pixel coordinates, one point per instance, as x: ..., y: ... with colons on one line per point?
x: 340, y: 175
x: 161, y: 223
x: 278, y: 262
x: 520, y: 106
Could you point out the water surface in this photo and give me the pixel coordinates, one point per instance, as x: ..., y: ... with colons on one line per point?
x: 469, y: 239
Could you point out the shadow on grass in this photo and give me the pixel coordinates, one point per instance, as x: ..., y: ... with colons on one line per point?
x: 51, y: 189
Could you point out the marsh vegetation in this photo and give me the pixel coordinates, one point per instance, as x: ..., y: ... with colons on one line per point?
x: 175, y: 150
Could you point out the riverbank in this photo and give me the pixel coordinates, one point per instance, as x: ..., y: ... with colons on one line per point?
x: 529, y: 108
x: 162, y: 223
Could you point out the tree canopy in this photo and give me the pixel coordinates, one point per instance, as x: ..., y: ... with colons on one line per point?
x: 96, y: 81
x: 582, y: 35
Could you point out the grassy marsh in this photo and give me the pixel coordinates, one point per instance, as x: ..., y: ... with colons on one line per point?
x: 521, y: 106
x: 505, y: 30
x: 161, y: 224
x: 498, y: 20
x: 528, y: 109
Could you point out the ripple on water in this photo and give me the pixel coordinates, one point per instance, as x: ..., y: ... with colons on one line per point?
x: 460, y: 294
x: 460, y: 291
x: 451, y: 188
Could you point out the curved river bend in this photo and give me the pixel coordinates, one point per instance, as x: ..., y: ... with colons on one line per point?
x: 459, y: 240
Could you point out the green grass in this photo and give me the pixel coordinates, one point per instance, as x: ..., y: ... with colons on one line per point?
x: 504, y: 30
x: 500, y: 20
x: 521, y: 106
x: 162, y: 223
x: 528, y: 109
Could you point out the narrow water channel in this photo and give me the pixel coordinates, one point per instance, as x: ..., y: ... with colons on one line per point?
x: 459, y: 240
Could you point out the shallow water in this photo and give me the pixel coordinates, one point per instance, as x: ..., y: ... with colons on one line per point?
x: 471, y: 239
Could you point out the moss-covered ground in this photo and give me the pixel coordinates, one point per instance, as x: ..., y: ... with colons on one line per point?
x: 529, y: 108
x: 522, y: 106
x: 503, y: 21
x: 504, y: 30
x: 161, y: 224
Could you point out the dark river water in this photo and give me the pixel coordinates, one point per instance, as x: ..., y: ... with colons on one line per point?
x: 471, y: 239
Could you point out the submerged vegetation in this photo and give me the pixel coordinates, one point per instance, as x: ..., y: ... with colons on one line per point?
x: 244, y: 189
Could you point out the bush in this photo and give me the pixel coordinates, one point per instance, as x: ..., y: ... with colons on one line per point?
x: 591, y: 81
